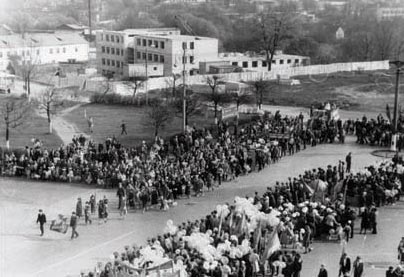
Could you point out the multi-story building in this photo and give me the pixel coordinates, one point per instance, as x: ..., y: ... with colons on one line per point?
x: 152, y: 52
x: 43, y: 48
x: 389, y: 13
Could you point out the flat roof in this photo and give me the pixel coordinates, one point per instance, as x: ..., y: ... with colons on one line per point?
x: 259, y: 57
x: 40, y: 40
x: 179, y: 37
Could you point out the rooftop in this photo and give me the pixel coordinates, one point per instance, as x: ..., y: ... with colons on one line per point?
x: 40, y: 40
x: 239, y: 56
x: 179, y: 37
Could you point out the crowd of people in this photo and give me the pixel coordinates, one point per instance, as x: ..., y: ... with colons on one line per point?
x: 270, y: 232
x: 167, y: 169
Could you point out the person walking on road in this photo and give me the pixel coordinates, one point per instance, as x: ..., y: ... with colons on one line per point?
x: 358, y: 267
x: 87, y: 213
x: 90, y: 122
x: 348, y: 160
x: 323, y: 271
x: 73, y: 224
x: 344, y: 265
x: 41, y: 220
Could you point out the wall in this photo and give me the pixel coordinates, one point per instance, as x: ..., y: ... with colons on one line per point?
x: 157, y: 83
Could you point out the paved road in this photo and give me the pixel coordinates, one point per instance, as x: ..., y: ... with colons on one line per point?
x: 55, y: 255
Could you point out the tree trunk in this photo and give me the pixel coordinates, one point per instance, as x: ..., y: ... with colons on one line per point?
x: 156, y: 131
x: 216, y: 120
x: 49, y: 118
x: 50, y: 127
x: 7, y: 136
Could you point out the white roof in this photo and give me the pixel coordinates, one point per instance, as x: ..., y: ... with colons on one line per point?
x: 40, y: 40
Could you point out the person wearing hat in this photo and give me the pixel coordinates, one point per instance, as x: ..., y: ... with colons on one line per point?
x: 344, y: 265
x: 79, y: 208
x: 73, y: 224
x: 390, y: 272
x: 41, y: 220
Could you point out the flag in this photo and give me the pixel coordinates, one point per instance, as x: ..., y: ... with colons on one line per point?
x: 337, y: 189
x: 273, y: 244
x: 257, y: 236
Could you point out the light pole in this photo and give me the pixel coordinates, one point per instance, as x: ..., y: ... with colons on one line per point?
x: 184, y: 92
x: 399, y: 65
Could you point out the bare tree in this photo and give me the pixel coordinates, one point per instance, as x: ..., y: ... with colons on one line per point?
x: 24, y: 67
x: 158, y: 115
x: 193, y: 103
x: 275, y: 26
x: 12, y: 113
x: 259, y: 87
x: 50, y: 103
x: 215, y: 96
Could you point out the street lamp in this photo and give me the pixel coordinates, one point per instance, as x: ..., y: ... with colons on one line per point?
x: 184, y: 92
x: 399, y: 65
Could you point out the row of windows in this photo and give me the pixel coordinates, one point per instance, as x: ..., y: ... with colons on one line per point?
x: 264, y: 63
x: 37, y: 52
x: 112, y: 50
x: 150, y: 43
x: 150, y: 57
x: 109, y: 62
x: 112, y: 38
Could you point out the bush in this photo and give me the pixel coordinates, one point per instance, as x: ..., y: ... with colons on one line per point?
x: 117, y: 99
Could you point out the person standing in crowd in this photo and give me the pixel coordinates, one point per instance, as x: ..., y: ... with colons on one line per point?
x: 364, y: 221
x: 390, y: 272
x: 73, y: 224
x: 123, y: 128
x: 373, y: 220
x: 358, y: 267
x: 323, y: 271
x: 41, y: 220
x: 344, y: 265
x: 92, y: 203
x: 87, y: 213
x: 123, y: 211
x: 348, y: 160
x: 297, y: 265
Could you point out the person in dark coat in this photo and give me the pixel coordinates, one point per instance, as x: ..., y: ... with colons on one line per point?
x: 390, y: 272
x: 323, y: 272
x: 344, y: 265
x: 297, y: 265
x: 358, y: 267
x: 373, y: 220
x: 41, y: 220
x: 364, y: 221
x: 348, y: 160
x: 79, y: 208
x: 73, y: 224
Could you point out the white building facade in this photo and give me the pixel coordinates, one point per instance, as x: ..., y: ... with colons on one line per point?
x: 43, y: 48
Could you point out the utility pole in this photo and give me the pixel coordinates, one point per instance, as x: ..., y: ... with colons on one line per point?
x: 399, y: 65
x: 184, y: 92
x: 89, y: 20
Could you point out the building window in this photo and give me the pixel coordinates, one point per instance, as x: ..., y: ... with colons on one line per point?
x: 162, y: 44
x: 122, y: 52
x: 154, y: 68
x: 161, y: 58
x: 117, y: 39
x: 103, y: 61
x: 184, y: 59
x: 108, y: 50
x: 113, y: 62
x: 150, y: 43
x: 191, y: 59
x: 289, y: 61
x: 273, y: 61
x: 122, y: 39
x: 76, y: 49
x: 138, y: 55
x: 234, y: 63
x: 37, y: 52
x: 191, y: 45
x: 108, y: 62
x: 280, y: 61
x: 57, y: 50
x: 156, y: 44
x: 117, y: 51
x: 245, y: 64
x: 107, y: 37
x: 144, y: 42
x: 1, y: 54
x: 264, y: 64
x: 254, y: 64
x: 296, y: 60
x: 112, y: 38
x: 144, y: 56
x: 156, y: 58
x: 50, y: 51
x: 150, y: 57
x: 64, y: 49
x: 184, y: 45
x: 103, y: 49
x: 102, y: 36
x: 112, y: 51
x: 138, y: 41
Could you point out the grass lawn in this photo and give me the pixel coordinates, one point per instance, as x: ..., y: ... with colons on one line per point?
x: 108, y: 119
x: 33, y: 127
